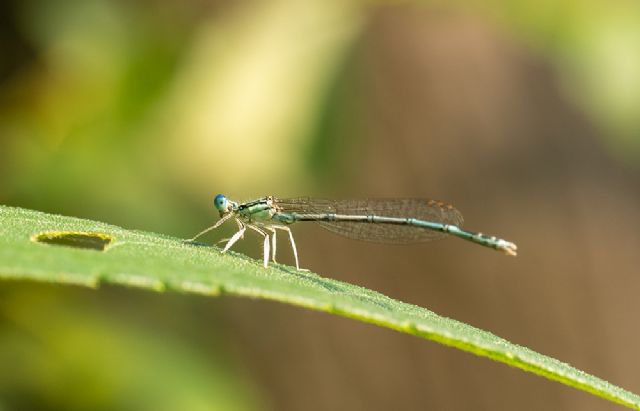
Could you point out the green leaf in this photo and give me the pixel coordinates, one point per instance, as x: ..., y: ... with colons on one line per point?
x: 44, y: 247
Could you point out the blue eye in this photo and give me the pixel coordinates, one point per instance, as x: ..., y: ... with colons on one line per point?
x: 220, y: 201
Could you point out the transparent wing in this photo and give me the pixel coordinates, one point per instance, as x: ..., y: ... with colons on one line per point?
x: 422, y: 209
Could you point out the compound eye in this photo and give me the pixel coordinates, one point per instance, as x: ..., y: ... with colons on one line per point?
x: 220, y: 202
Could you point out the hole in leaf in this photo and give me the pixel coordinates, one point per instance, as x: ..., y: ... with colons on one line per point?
x: 89, y: 241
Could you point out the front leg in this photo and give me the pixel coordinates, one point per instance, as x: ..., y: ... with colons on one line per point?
x: 224, y: 240
x: 213, y: 227
x: 235, y: 237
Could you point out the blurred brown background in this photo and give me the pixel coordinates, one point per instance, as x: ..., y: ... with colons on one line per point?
x: 525, y: 116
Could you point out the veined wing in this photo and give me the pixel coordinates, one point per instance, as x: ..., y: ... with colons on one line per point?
x: 421, y: 209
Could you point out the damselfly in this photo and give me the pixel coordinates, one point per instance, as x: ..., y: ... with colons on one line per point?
x: 399, y: 221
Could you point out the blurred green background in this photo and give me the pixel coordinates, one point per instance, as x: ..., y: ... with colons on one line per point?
x: 525, y: 115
